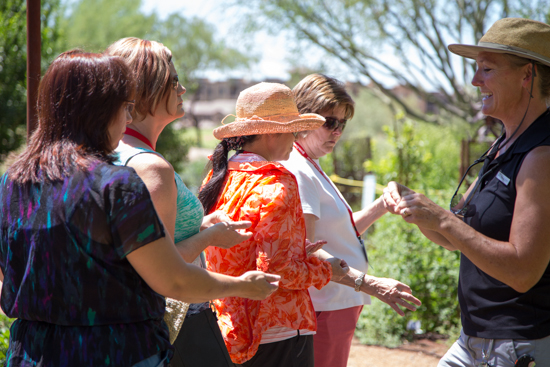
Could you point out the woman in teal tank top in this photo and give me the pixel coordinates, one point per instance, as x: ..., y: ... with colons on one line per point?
x: 159, y: 102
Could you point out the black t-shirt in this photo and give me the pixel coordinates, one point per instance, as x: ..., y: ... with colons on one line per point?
x: 490, y: 308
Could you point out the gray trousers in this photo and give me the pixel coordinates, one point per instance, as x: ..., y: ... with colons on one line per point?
x: 469, y: 351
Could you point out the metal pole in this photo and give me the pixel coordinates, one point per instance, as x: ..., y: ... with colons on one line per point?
x: 33, y: 62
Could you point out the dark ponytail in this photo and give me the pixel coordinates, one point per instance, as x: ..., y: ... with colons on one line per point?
x: 208, y: 194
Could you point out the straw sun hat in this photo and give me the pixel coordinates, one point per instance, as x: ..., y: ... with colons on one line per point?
x: 517, y: 36
x: 267, y: 108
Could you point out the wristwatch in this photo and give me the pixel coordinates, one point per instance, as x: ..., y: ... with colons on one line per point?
x: 359, y: 281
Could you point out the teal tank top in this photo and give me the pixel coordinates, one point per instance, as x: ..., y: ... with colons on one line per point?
x: 189, y: 209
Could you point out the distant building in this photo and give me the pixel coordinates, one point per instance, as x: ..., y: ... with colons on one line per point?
x: 215, y: 100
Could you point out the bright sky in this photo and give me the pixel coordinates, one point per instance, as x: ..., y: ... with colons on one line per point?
x: 271, y: 49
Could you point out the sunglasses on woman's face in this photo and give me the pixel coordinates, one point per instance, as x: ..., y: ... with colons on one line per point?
x: 333, y: 124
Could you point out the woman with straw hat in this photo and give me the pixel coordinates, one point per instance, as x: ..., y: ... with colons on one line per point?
x: 252, y: 186
x: 500, y: 225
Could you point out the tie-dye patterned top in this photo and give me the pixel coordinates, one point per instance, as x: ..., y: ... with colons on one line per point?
x: 189, y: 211
x: 63, y: 249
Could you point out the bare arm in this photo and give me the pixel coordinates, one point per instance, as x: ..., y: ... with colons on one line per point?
x: 366, y: 217
x: 390, y: 291
x: 158, y: 176
x: 522, y: 260
x: 160, y: 266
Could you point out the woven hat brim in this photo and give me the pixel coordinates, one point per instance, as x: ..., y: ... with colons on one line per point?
x: 310, y: 121
x: 472, y: 51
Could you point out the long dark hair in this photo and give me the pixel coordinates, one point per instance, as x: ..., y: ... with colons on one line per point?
x: 208, y: 194
x: 78, y: 98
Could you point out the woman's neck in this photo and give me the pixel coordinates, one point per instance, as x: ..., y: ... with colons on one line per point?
x: 536, y: 109
x: 304, y: 143
x: 149, y: 128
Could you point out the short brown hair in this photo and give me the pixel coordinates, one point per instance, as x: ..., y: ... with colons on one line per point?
x: 78, y: 99
x: 150, y: 63
x: 317, y: 93
x: 543, y: 72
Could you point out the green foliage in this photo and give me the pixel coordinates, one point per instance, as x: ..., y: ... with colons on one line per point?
x: 13, y: 66
x: 173, y: 146
x: 425, y: 158
x: 5, y: 323
x: 94, y: 24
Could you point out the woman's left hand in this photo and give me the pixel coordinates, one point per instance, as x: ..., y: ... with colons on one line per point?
x: 392, y: 292
x: 215, y: 217
x: 312, y: 247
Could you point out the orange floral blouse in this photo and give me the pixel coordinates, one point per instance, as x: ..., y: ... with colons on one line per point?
x: 266, y: 194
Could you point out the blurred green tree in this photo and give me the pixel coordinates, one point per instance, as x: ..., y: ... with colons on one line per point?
x: 13, y: 66
x: 389, y: 42
x: 95, y: 24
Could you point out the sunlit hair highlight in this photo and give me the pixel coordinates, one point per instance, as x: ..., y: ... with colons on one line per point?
x: 317, y: 93
x: 150, y: 63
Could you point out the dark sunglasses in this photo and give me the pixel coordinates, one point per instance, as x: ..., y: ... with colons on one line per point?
x: 175, y: 82
x: 332, y: 124
x: 457, y: 198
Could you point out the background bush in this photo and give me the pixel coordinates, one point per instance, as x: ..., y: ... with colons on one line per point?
x: 425, y: 158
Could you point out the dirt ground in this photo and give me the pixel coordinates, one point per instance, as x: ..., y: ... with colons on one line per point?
x: 421, y: 353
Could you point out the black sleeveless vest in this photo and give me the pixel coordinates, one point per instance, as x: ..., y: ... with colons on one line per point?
x: 490, y: 308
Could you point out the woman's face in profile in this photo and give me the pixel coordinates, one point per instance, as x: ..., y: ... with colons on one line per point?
x: 171, y: 105
x: 500, y: 84
x: 321, y: 141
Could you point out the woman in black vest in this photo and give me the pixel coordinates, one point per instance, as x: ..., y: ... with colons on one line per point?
x: 501, y: 225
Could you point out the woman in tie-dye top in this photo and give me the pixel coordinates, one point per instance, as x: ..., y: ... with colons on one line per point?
x: 83, y: 254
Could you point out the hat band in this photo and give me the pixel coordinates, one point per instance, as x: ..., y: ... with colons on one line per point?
x: 515, y: 50
x: 279, y: 118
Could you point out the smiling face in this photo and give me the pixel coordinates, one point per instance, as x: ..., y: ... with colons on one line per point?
x: 321, y: 141
x: 170, y: 107
x: 501, y: 85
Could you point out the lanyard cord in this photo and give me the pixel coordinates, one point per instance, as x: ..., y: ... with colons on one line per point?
x: 138, y: 136
x: 306, y: 156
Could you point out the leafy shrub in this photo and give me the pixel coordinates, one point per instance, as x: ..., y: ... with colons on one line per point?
x: 5, y: 323
x: 425, y: 158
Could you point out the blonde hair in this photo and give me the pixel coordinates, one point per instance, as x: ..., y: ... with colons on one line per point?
x: 317, y: 93
x: 150, y: 63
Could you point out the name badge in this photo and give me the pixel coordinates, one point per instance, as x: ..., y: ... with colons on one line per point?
x: 502, y: 178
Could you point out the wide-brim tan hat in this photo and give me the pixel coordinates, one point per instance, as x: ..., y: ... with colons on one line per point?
x: 517, y: 36
x: 268, y: 108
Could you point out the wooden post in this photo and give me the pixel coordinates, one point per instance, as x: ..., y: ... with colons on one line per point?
x: 33, y: 62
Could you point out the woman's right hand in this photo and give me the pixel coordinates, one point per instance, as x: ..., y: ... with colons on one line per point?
x: 339, y: 268
x: 228, y: 234
x: 259, y: 285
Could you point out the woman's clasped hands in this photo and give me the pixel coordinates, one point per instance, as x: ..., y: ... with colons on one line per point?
x: 413, y: 207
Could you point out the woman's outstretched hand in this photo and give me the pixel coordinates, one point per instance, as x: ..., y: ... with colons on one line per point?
x: 392, y: 292
x: 223, y: 232
x: 312, y: 247
x: 393, y: 193
x: 259, y: 285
